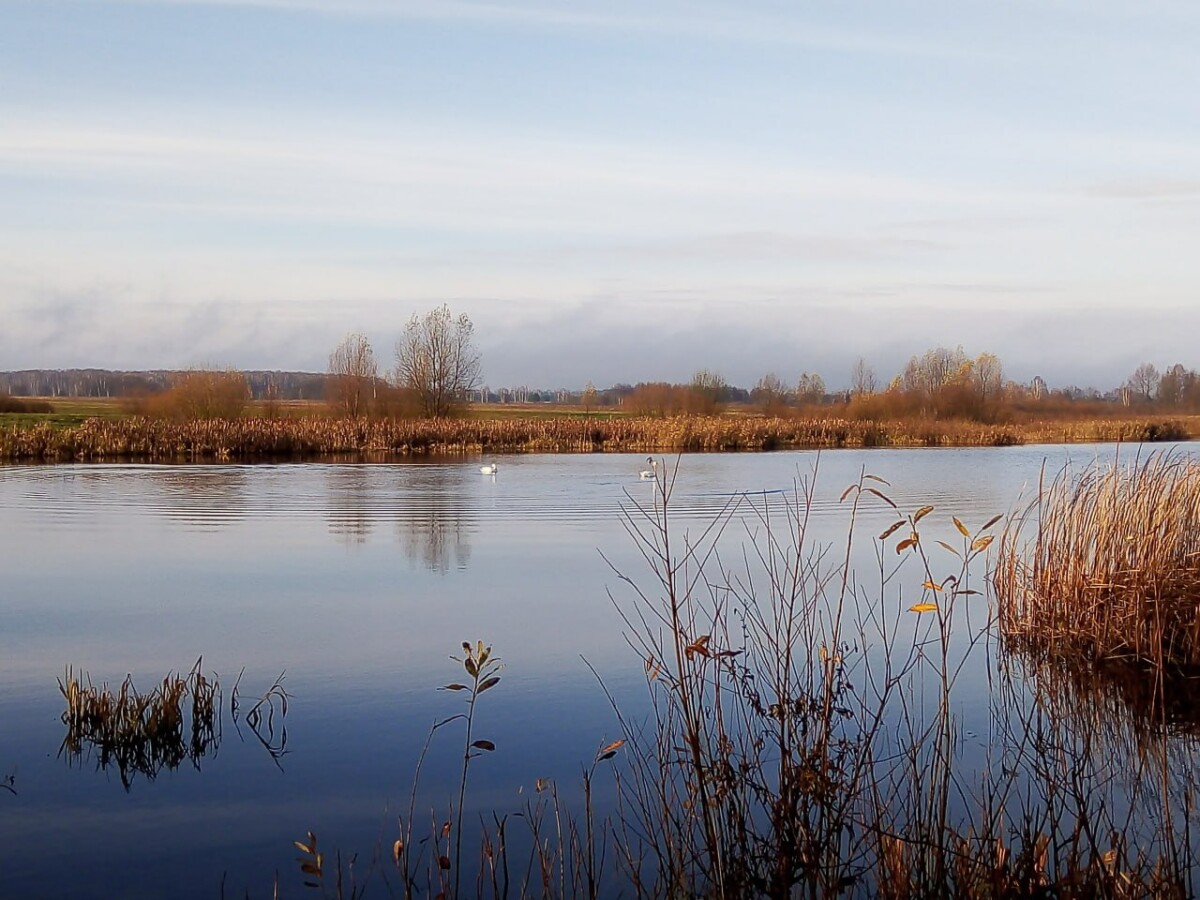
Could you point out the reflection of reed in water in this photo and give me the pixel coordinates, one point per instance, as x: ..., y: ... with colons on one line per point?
x: 202, y: 497
x: 1155, y: 700
x: 144, y: 733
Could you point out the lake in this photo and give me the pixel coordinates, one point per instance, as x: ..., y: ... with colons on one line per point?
x: 356, y: 582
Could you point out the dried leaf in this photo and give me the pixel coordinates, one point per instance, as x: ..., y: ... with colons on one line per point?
x: 444, y: 863
x: 904, y: 545
x: 990, y: 522
x: 482, y: 744
x: 877, y: 478
x: 489, y: 683
x: 882, y: 496
x: 982, y: 543
x: 397, y: 849
x: 611, y: 750
x: 472, y: 669
x: 891, y: 529
x: 951, y: 549
x: 932, y: 586
x: 847, y: 492
x: 302, y: 847
x: 454, y: 687
x: 922, y: 513
x: 923, y: 607
x: 962, y: 529
x: 310, y: 869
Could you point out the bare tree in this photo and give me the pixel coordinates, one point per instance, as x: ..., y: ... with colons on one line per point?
x: 810, y: 389
x: 352, y: 365
x: 437, y: 360
x: 862, y: 379
x: 989, y: 375
x: 1144, y: 381
x: 589, y: 398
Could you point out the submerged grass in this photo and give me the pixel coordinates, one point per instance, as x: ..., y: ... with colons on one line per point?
x: 1105, y: 565
x: 309, y: 437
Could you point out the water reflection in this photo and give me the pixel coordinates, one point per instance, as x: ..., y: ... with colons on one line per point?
x: 348, y: 504
x: 434, y: 527
x: 200, y: 497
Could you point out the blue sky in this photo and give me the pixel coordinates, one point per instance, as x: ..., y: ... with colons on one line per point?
x: 612, y: 191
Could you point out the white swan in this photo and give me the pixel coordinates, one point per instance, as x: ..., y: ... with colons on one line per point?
x: 652, y: 472
x: 489, y: 469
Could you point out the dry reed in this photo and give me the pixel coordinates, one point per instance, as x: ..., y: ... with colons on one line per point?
x: 141, y: 733
x: 1112, y: 569
x: 310, y: 437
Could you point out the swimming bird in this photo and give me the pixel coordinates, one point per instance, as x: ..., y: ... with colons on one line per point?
x: 489, y: 469
x: 652, y: 472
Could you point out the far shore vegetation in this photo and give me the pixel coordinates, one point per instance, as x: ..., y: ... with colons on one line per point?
x: 432, y: 401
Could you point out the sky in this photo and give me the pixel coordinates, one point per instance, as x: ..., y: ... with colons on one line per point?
x: 612, y: 191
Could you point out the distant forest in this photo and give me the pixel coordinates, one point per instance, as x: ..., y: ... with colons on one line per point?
x: 116, y: 383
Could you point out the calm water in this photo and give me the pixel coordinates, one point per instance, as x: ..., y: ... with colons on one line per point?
x: 357, y: 581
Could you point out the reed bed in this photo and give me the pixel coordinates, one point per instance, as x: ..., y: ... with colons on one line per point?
x: 313, y: 437
x: 1105, y: 565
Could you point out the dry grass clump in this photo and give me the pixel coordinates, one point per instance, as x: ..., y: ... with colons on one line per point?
x: 1112, y: 570
x: 138, y: 733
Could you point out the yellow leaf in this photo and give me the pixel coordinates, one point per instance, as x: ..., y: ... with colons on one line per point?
x: 962, y: 529
x: 932, y: 586
x: 922, y: 513
x: 904, y: 545
x: 891, y: 529
x: 923, y: 607
x: 982, y: 543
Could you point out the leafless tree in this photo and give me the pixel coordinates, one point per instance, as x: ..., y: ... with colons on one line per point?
x: 1144, y: 381
x: 810, y: 388
x: 352, y: 365
x: 437, y: 360
x: 989, y: 375
x: 862, y: 379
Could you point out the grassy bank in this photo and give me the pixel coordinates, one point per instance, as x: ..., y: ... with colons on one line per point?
x: 311, y: 437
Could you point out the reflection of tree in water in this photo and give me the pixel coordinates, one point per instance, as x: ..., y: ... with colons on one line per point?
x: 350, y: 504
x: 435, y: 524
x: 199, y: 495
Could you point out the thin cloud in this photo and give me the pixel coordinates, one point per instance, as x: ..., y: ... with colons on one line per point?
x: 1145, y: 189
x: 708, y: 22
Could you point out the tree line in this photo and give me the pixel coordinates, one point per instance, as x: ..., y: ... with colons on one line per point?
x: 436, y: 371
